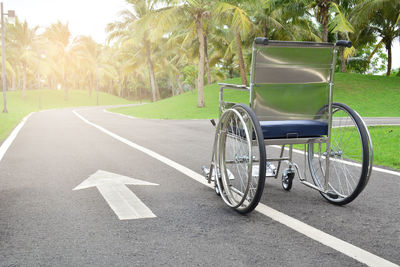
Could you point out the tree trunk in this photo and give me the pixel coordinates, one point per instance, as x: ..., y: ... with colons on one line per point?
x: 179, y: 85
x: 241, y: 60
x: 389, y: 63
x: 24, y: 81
x: 230, y: 73
x: 265, y: 29
x: 200, y: 74
x: 324, y: 18
x: 341, y: 53
x: 97, y: 87
x: 91, y: 85
x: 65, y: 88
x: 120, y: 87
x: 154, y: 87
x: 14, y: 82
x: 172, y: 86
x: 342, y: 60
x: 206, y: 59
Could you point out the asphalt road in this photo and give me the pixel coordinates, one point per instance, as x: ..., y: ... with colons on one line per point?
x: 43, y: 221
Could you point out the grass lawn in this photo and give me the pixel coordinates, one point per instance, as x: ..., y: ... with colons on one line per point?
x: 370, y: 96
x: 18, y: 108
x: 385, y: 142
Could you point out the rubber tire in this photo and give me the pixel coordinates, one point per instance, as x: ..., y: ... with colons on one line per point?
x: 288, y: 186
x: 363, y: 133
x: 262, y: 167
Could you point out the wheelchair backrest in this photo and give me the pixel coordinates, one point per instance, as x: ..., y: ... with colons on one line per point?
x: 291, y: 80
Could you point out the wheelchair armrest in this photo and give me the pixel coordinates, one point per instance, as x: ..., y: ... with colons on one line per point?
x: 234, y: 86
x: 240, y: 87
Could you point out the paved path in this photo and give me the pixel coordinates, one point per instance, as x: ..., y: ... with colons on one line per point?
x: 44, y: 222
x: 375, y: 121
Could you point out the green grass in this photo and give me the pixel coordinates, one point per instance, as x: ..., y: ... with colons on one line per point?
x: 18, y: 108
x: 185, y: 106
x: 385, y: 142
x: 370, y: 96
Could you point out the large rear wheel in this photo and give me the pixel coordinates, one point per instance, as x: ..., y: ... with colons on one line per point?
x: 241, y: 158
x: 350, y: 157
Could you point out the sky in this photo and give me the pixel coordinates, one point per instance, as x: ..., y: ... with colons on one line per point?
x: 84, y: 17
x: 88, y: 17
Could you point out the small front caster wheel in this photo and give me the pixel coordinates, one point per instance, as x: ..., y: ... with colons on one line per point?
x: 287, y: 179
x: 216, y: 189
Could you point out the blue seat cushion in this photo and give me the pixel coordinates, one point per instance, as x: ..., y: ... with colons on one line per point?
x: 293, y: 129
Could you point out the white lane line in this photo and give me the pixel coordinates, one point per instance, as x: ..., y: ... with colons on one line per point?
x: 346, y: 162
x: 198, y: 177
x: 7, y: 143
x: 309, y: 231
x: 344, y: 247
x: 119, y: 114
x: 296, y: 150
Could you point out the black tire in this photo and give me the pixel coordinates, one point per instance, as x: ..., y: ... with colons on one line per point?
x: 346, y: 181
x: 238, y: 159
x: 287, y: 181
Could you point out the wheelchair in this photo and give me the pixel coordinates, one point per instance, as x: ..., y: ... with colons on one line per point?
x: 291, y: 115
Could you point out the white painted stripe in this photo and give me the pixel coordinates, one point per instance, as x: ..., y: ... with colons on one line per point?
x: 198, y: 177
x: 112, y: 186
x: 125, y: 204
x: 132, y: 117
x: 347, y: 162
x: 119, y: 114
x: 7, y: 143
x: 309, y: 231
x: 296, y: 150
x: 344, y: 247
x: 383, y: 124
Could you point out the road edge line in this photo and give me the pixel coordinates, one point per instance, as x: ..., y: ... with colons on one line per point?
x: 378, y: 169
x: 309, y: 231
x: 357, y: 164
x: 10, y: 139
x: 328, y: 240
x: 119, y: 114
x: 194, y: 175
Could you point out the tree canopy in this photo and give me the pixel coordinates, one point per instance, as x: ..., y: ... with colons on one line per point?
x: 156, y: 48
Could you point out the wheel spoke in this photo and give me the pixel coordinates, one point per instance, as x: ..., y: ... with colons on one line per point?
x: 235, y: 150
x: 348, y: 141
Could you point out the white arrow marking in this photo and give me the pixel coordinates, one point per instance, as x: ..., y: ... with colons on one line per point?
x: 125, y: 204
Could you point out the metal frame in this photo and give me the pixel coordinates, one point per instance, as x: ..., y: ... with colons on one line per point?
x: 288, y: 85
x: 223, y: 105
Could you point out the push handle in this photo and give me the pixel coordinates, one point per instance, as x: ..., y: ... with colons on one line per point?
x: 344, y: 43
x: 261, y: 40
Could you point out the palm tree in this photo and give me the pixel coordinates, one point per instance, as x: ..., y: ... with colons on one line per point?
x: 341, y: 25
x: 224, y: 52
x: 137, y: 28
x: 23, y: 39
x: 59, y: 35
x: 322, y: 12
x: 192, y: 15
x: 88, y: 52
x: 381, y: 17
x: 267, y: 15
x: 296, y: 14
x: 240, y: 23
